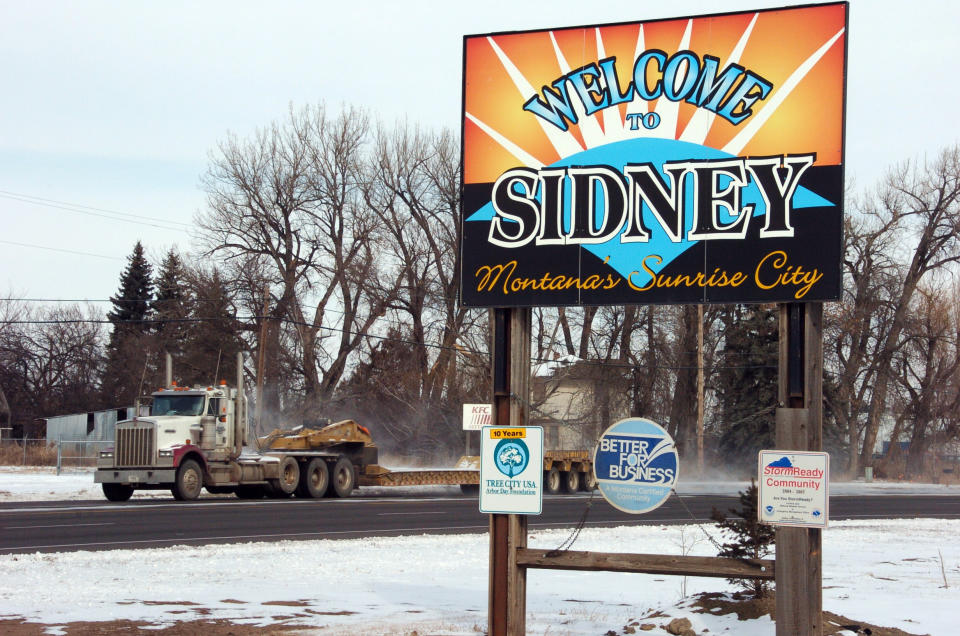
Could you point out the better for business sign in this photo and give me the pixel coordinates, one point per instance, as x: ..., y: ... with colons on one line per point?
x: 636, y: 465
x: 671, y: 161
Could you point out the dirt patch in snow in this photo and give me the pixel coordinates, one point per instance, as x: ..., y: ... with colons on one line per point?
x: 750, y: 608
x: 15, y: 627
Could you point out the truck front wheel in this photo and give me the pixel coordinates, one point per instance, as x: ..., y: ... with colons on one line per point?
x: 189, y: 481
x: 117, y: 492
x: 314, y: 479
x: 342, y: 479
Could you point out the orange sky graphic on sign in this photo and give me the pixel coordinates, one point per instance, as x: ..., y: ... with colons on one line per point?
x: 799, y: 51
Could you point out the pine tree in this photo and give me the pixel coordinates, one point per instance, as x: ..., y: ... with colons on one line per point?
x: 747, y: 385
x: 172, y: 306
x: 130, y: 343
x: 212, y: 340
x: 751, y: 539
x: 132, y: 302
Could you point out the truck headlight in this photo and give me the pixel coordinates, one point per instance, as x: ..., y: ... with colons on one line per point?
x: 165, y: 453
x: 107, y: 454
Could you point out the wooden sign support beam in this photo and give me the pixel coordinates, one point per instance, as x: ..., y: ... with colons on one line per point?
x: 679, y: 565
x: 799, y: 425
x: 507, y: 598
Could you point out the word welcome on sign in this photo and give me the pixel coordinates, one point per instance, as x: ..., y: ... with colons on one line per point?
x: 671, y: 161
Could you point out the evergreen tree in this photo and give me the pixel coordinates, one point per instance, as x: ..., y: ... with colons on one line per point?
x: 747, y: 385
x: 172, y: 306
x: 751, y: 539
x: 132, y: 302
x: 130, y: 343
x: 212, y: 340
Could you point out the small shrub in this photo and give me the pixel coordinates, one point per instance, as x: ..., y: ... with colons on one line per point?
x: 751, y: 539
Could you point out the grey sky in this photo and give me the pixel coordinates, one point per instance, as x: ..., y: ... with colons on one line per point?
x: 115, y: 104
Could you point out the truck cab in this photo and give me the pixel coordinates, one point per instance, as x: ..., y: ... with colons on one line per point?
x: 171, y: 445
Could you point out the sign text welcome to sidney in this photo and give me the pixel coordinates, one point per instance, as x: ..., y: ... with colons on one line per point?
x: 677, y: 161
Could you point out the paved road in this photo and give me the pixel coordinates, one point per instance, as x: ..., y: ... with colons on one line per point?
x: 99, y: 525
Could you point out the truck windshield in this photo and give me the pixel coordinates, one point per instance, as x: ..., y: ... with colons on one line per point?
x: 177, y: 405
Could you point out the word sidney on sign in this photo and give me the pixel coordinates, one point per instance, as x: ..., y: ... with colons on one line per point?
x: 636, y: 465
x: 672, y: 161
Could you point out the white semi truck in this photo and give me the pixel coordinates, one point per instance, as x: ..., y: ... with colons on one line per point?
x: 196, y: 437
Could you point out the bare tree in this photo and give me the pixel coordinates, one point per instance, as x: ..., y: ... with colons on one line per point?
x: 854, y: 327
x: 414, y: 183
x: 919, y: 203
x: 930, y: 361
x: 289, y: 202
x: 49, y: 361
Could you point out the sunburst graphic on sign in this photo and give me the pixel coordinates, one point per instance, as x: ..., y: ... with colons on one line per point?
x: 727, y: 88
x: 801, y: 112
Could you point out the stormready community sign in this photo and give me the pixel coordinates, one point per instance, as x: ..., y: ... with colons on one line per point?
x: 636, y: 465
x: 511, y: 469
x: 686, y: 160
x: 794, y: 488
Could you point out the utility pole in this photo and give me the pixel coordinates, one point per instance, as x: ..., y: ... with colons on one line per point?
x: 261, y: 359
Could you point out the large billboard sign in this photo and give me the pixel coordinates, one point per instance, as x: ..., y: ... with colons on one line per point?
x: 690, y: 160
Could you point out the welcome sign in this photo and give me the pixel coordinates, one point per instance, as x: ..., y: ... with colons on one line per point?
x: 686, y: 160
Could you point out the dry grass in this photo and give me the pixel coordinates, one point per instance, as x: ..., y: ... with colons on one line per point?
x: 38, y: 453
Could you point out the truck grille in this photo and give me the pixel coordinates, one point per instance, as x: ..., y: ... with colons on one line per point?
x: 134, y: 447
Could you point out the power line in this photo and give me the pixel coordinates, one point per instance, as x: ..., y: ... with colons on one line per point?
x: 57, y: 249
x: 92, y: 211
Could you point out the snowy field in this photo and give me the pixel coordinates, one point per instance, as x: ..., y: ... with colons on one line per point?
x: 894, y: 573
x: 43, y: 484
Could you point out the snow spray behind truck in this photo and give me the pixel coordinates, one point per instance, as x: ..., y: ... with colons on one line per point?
x: 197, y: 437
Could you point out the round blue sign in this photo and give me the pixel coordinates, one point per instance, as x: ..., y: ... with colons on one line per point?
x: 636, y: 465
x: 511, y: 456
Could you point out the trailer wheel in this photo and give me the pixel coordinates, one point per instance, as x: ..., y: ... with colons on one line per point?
x: 117, y: 492
x: 571, y: 481
x: 342, y: 479
x: 470, y: 490
x: 189, y: 481
x: 289, y: 477
x: 587, y: 481
x: 314, y: 479
x: 551, y: 481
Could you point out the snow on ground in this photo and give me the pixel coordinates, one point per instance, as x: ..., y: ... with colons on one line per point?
x: 886, y: 572
x: 43, y: 484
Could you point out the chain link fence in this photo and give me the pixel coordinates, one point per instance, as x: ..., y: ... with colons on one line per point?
x: 65, y: 455
x: 27, y: 451
x: 74, y: 455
